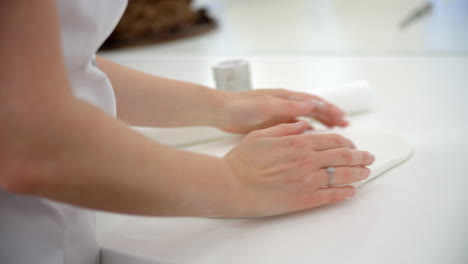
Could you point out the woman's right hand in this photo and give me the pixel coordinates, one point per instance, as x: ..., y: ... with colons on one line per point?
x: 280, y: 170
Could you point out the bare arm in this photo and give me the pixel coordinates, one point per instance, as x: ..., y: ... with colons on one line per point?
x: 148, y: 100
x: 55, y: 146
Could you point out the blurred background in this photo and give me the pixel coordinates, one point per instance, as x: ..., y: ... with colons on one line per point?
x: 299, y: 27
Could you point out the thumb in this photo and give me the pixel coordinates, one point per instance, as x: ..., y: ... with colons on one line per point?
x: 284, y: 130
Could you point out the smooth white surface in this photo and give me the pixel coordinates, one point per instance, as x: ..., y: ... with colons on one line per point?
x: 323, y: 27
x: 416, y: 213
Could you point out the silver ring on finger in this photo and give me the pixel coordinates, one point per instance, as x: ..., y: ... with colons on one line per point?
x: 331, y: 176
x: 318, y: 105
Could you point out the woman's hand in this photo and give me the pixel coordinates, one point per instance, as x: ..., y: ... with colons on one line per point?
x: 278, y: 170
x: 252, y: 110
x: 147, y: 100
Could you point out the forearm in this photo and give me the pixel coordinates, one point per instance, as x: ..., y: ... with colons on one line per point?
x: 147, y: 100
x: 90, y: 160
x: 56, y: 146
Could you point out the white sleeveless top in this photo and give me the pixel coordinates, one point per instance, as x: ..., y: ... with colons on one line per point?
x: 39, y: 231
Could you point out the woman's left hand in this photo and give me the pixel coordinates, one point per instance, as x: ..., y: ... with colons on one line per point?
x: 262, y: 108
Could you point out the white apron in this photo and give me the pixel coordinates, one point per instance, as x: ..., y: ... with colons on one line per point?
x: 39, y: 231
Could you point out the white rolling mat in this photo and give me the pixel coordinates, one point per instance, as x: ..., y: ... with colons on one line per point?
x: 145, y: 240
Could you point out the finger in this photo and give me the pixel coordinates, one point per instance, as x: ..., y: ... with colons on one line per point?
x: 291, y: 120
x: 308, y: 143
x: 344, y: 157
x: 282, y: 130
x: 329, y: 121
x: 322, y: 110
x: 328, y: 113
x: 330, y: 195
x: 298, y: 96
x: 327, y: 107
x: 295, y: 120
x: 327, y: 141
x: 279, y: 93
x: 288, y: 94
x: 325, y: 112
x: 280, y: 107
x: 342, y: 175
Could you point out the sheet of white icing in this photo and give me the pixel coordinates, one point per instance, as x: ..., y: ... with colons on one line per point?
x: 146, y: 240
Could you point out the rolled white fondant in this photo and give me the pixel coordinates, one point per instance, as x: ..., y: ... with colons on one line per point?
x: 354, y: 97
x: 232, y: 75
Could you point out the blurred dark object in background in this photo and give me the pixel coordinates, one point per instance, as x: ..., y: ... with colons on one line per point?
x: 154, y: 21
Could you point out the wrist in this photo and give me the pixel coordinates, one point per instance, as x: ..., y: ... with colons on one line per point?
x: 229, y: 199
x: 216, y: 113
x: 210, y: 189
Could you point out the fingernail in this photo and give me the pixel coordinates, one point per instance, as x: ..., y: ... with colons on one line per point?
x: 351, y: 194
x: 366, y: 174
x: 370, y: 158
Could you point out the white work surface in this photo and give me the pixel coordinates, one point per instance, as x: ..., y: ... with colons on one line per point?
x: 414, y: 213
x: 330, y: 27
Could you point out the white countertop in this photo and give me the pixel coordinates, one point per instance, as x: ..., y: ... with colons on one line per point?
x: 325, y: 27
x: 415, y: 213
